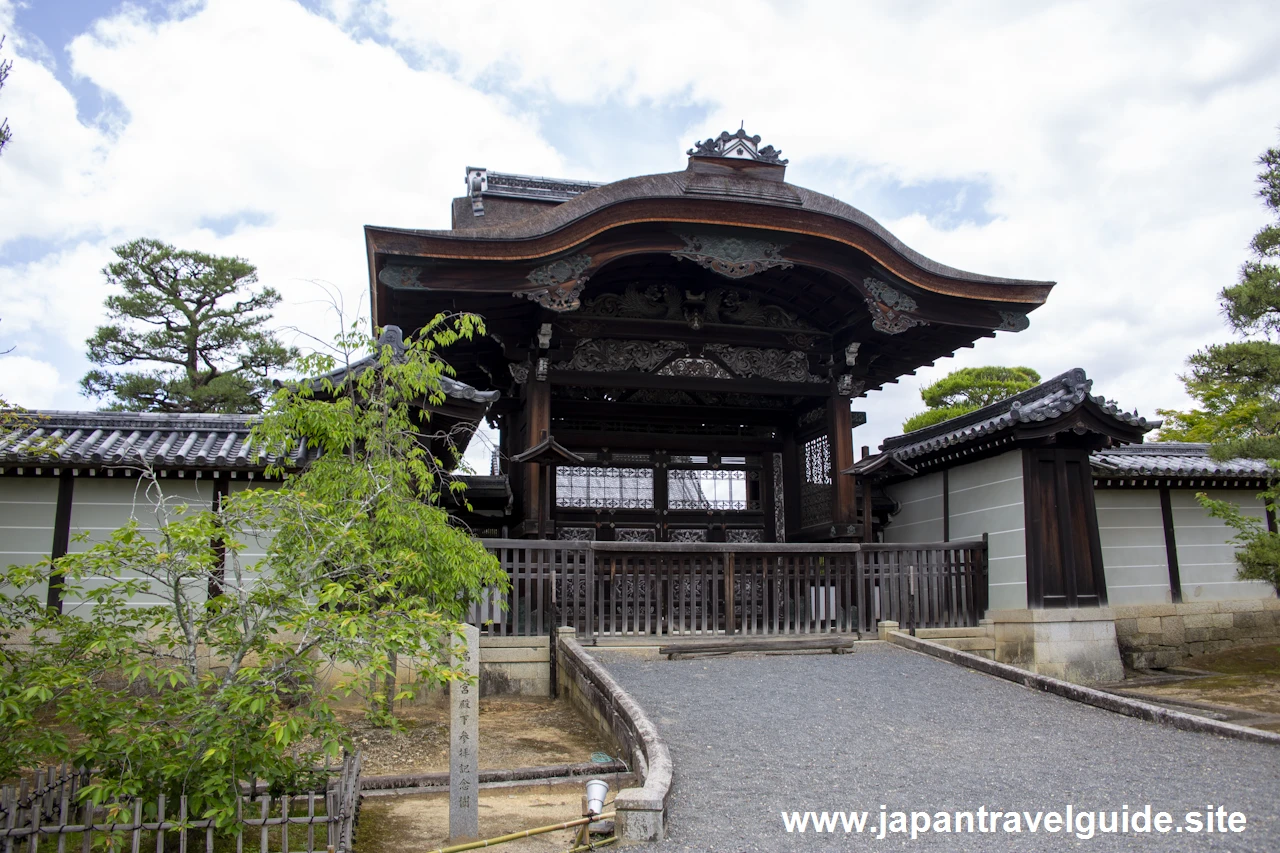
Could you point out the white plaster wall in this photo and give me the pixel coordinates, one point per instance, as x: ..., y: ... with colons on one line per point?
x: 103, y: 504
x: 1131, y: 530
x: 28, y: 506
x: 255, y: 543
x: 1206, y: 557
x: 987, y: 497
x: 920, y: 519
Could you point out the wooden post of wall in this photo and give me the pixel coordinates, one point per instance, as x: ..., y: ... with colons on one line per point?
x: 221, y: 489
x: 537, y: 419
x: 61, y: 536
x: 1171, y: 544
x: 844, y: 487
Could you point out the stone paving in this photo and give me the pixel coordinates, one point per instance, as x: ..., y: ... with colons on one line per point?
x: 755, y: 736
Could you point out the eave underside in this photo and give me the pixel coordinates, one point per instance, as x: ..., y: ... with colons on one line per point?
x: 830, y: 314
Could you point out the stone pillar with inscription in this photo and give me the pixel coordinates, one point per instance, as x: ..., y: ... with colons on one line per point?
x: 464, y: 733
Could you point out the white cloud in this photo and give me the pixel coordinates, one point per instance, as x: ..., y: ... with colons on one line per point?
x: 1115, y: 146
x: 28, y: 382
x: 245, y: 106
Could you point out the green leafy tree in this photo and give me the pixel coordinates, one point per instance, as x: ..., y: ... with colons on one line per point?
x: 1237, y: 385
x: 375, y: 469
x: 171, y: 690
x: 962, y: 391
x: 195, y: 319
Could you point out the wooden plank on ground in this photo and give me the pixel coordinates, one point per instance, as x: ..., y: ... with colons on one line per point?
x: 836, y: 645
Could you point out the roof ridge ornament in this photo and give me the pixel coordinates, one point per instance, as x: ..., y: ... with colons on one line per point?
x: 737, y: 146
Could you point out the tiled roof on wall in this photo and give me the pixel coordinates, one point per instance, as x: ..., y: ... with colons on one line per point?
x: 1173, y: 459
x: 132, y: 439
x: 1047, y: 401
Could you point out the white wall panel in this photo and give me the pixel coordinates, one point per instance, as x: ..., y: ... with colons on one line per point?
x: 28, y: 506
x: 987, y: 497
x: 1206, y: 557
x: 1131, y: 530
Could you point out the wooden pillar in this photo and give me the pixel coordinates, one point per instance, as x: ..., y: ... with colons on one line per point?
x: 767, y: 498
x: 791, y: 476
x: 61, y: 536
x: 537, y: 419
x: 844, y: 487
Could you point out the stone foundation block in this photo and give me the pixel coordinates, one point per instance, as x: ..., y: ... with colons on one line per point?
x: 1074, y: 645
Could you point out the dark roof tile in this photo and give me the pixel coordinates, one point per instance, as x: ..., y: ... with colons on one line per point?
x: 1174, y: 459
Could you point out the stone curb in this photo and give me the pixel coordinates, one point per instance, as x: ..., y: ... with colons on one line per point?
x: 641, y: 811
x: 1087, y: 695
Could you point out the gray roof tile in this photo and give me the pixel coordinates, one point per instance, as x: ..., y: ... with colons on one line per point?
x: 188, y: 441
x: 134, y: 439
x: 1049, y: 400
x: 1173, y: 459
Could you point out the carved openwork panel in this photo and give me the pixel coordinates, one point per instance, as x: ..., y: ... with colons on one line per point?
x: 719, y: 305
x: 701, y: 367
x: 576, y: 534
x: 687, y: 535
x: 604, y: 488
x: 815, y: 491
x: 635, y: 534
x: 730, y: 305
x: 817, y: 460
x: 815, y: 504
x: 655, y: 302
x: 708, y: 489
x: 776, y: 364
x: 607, y: 355
x: 748, y: 534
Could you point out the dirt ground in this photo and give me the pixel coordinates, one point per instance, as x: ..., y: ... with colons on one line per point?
x: 514, y: 732
x: 420, y: 822
x: 1240, y: 685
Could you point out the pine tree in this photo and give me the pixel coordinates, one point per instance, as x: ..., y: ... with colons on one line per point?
x: 962, y: 391
x: 195, y: 318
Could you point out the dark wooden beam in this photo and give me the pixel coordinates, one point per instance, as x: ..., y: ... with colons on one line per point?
x: 647, y: 412
x: 689, y: 383
x: 580, y: 440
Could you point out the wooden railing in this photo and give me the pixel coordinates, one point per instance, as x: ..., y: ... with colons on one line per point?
x: 623, y: 589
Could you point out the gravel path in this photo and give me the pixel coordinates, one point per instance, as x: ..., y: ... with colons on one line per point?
x: 753, y: 736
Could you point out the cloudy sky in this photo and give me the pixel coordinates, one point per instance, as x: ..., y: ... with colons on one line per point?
x: 1108, y: 146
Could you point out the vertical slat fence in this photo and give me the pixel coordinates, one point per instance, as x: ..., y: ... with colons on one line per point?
x: 51, y: 805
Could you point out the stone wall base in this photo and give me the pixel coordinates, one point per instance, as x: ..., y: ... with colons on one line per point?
x: 1157, y: 636
x: 1077, y: 645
